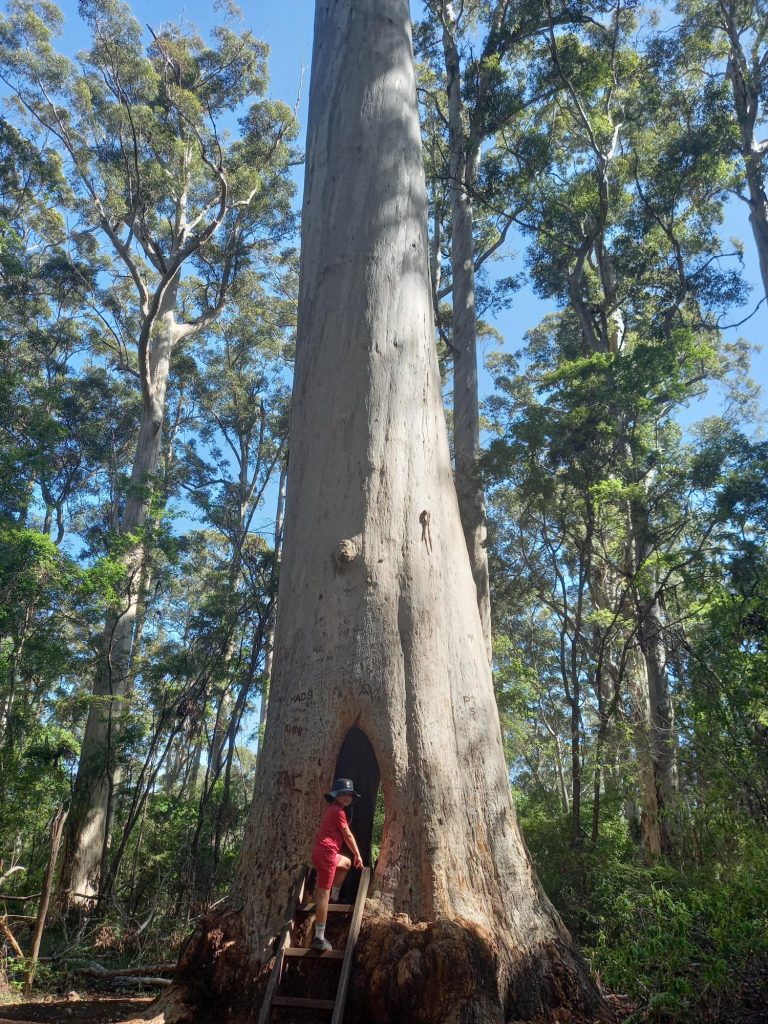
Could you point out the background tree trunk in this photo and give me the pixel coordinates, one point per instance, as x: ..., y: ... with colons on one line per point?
x: 378, y: 626
x: 98, y: 773
x: 745, y: 78
x: 639, y: 695
x: 464, y: 156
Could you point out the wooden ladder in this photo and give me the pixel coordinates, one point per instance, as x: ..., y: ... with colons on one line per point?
x: 272, y: 996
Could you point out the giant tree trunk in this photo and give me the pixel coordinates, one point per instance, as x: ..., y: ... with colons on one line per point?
x: 99, y: 768
x: 269, y: 654
x: 463, y: 158
x: 378, y: 625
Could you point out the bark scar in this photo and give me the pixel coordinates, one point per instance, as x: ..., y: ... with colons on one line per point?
x: 426, y: 533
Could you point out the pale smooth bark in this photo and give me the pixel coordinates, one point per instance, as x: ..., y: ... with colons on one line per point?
x: 747, y: 75
x: 99, y: 767
x: 612, y: 591
x: 464, y: 157
x: 657, y: 704
x: 378, y: 626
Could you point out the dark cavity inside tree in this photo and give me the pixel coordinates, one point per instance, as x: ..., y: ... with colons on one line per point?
x: 378, y: 625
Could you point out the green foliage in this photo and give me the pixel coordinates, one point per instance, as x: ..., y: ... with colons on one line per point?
x: 378, y: 826
x: 683, y: 944
x: 118, y: 178
x: 678, y: 943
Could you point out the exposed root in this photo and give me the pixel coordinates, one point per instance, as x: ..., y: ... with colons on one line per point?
x: 443, y: 972
x: 439, y: 973
x: 214, y: 980
x: 448, y: 972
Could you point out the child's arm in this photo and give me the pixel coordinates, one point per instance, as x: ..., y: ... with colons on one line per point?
x: 351, y: 842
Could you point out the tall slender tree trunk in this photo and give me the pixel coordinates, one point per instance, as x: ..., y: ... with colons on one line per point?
x: 576, y: 781
x: 658, y: 714
x: 663, y: 736
x: 758, y: 215
x: 463, y: 161
x: 745, y: 84
x: 650, y: 819
x: 99, y: 768
x: 378, y: 626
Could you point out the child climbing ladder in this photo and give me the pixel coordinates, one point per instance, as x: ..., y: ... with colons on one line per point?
x: 331, y: 864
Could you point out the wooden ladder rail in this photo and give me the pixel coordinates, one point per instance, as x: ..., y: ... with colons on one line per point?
x: 297, y: 897
x: 349, y: 949
x: 284, y: 950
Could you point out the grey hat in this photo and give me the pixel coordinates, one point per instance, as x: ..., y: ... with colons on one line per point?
x: 340, y: 787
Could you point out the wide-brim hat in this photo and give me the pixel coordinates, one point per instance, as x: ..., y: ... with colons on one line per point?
x: 340, y: 787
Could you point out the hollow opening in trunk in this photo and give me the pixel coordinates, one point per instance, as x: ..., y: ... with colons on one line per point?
x: 357, y: 761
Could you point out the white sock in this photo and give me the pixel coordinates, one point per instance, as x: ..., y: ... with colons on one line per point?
x: 335, y: 892
x: 320, y: 931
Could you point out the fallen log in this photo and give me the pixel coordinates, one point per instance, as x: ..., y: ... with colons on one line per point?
x: 97, y: 971
x: 138, y: 981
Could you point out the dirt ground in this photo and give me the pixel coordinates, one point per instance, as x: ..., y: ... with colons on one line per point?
x: 90, y: 1008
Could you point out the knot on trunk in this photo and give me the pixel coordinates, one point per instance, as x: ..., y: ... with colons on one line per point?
x: 346, y: 553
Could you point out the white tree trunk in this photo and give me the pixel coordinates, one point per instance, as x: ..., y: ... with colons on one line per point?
x: 466, y: 405
x: 378, y: 626
x: 99, y: 768
x: 745, y: 84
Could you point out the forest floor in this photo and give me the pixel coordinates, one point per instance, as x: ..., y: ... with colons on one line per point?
x: 98, y: 1008
x: 88, y: 1008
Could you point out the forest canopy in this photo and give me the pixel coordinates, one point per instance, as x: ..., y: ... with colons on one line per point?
x: 600, y: 163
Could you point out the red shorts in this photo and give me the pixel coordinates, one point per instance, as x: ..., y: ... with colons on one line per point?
x: 325, y: 860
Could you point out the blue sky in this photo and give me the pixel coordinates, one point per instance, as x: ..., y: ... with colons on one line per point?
x: 287, y: 27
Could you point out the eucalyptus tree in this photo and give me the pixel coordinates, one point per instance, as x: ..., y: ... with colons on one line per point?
x: 566, y: 469
x: 57, y: 413
x: 624, y: 214
x: 722, y: 48
x: 140, y: 129
x: 231, y: 455
x: 377, y: 608
x: 458, y: 128
x: 725, y: 710
x: 476, y: 86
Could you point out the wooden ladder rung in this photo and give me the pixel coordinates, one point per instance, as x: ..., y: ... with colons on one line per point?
x: 333, y: 908
x: 346, y: 955
x: 329, y: 954
x: 307, y: 1004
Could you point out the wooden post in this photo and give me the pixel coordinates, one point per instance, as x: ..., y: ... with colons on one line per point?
x: 57, y: 828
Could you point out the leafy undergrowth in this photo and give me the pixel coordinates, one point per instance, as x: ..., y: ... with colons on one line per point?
x: 685, y: 945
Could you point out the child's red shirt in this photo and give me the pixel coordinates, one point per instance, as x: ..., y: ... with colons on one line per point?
x: 329, y: 834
